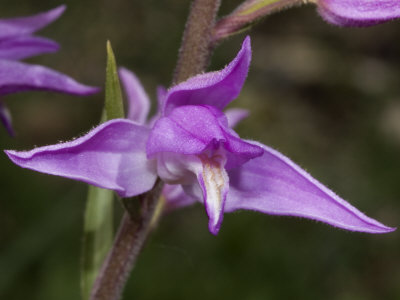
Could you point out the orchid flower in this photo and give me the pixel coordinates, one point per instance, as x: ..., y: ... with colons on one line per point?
x: 358, y: 12
x: 17, y: 42
x: 192, y: 147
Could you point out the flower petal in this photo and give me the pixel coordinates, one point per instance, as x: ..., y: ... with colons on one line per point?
x: 138, y: 101
x: 175, y: 197
x: 275, y: 185
x: 28, y: 25
x: 161, y: 94
x: 211, y: 187
x: 193, y: 129
x: 214, y: 182
x: 26, y: 46
x: 360, y: 12
x: 17, y: 76
x: 235, y: 115
x: 5, y: 118
x: 111, y: 156
x: 213, y: 88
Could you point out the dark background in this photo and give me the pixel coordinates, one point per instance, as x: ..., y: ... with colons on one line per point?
x: 327, y: 97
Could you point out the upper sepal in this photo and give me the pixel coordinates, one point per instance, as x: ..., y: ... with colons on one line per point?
x: 213, y: 88
x: 358, y: 12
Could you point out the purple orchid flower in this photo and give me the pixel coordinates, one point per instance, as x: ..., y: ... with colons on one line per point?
x: 192, y: 147
x: 17, y: 42
x: 358, y: 12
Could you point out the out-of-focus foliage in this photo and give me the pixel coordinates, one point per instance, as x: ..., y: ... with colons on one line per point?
x: 327, y: 97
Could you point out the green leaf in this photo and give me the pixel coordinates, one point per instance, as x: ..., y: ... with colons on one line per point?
x: 98, y: 235
x: 98, y: 222
x: 113, y: 104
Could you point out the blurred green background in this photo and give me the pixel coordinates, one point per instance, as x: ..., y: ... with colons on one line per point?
x: 327, y: 97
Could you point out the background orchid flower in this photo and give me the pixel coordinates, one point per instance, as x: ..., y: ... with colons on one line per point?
x: 192, y: 148
x: 337, y: 12
x: 17, y: 42
x: 358, y: 12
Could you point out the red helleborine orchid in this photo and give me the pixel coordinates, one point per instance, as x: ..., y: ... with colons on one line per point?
x: 191, y: 146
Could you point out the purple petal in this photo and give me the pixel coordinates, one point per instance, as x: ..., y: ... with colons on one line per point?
x: 273, y: 184
x: 27, y: 25
x: 175, y: 197
x: 26, y: 46
x: 5, y: 118
x: 213, y: 88
x: 138, y: 101
x: 161, y: 94
x: 17, y: 77
x: 111, y: 156
x: 359, y: 12
x: 193, y: 129
x: 235, y: 115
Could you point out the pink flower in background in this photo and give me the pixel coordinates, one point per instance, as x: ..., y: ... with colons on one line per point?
x: 358, y: 12
x: 17, y: 42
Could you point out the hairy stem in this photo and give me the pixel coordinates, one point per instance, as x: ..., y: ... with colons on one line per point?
x: 128, y: 243
x: 195, y: 50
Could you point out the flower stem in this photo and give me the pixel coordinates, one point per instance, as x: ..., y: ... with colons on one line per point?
x: 132, y: 234
x: 195, y: 50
